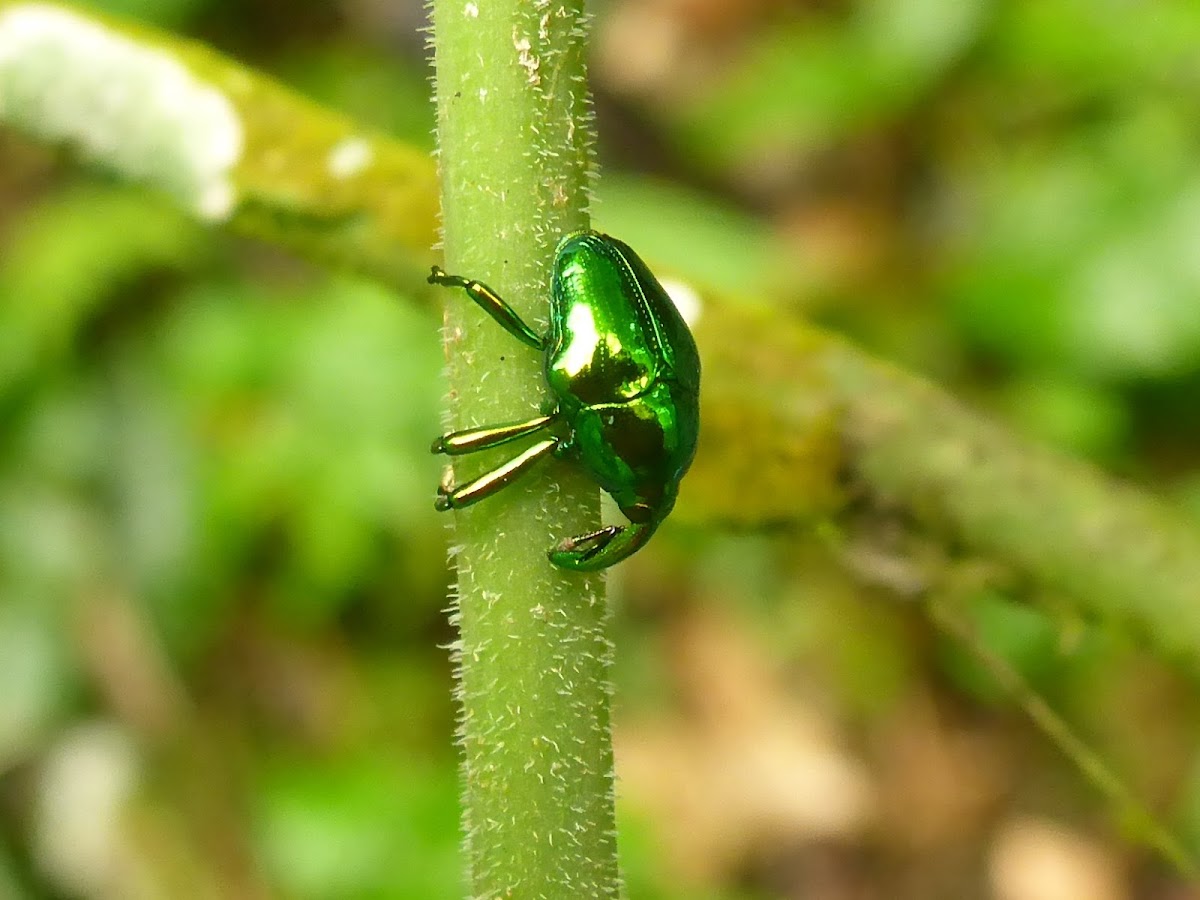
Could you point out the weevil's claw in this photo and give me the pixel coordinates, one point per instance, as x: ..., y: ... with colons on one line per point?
x: 601, y: 549
x: 445, y: 491
x: 437, y: 275
x: 576, y: 552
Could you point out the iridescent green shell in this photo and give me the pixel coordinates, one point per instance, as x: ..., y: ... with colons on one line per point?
x: 624, y: 373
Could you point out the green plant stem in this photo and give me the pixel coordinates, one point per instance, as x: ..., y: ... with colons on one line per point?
x: 533, y: 654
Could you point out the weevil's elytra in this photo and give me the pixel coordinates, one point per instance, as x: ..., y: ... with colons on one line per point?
x: 622, y: 368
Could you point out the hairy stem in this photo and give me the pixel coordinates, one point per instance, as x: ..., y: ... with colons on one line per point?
x: 533, y: 653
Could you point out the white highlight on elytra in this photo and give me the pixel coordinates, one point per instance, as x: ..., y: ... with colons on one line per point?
x: 127, y: 106
x: 685, y: 298
x: 581, y: 325
x: 349, y: 157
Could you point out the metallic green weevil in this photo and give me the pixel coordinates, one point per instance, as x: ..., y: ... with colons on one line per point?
x: 624, y: 375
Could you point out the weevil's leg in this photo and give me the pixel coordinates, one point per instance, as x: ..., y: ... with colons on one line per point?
x: 471, y: 439
x: 492, y: 304
x: 490, y: 482
x: 601, y: 549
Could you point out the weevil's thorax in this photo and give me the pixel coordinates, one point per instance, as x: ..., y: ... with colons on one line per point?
x: 624, y: 369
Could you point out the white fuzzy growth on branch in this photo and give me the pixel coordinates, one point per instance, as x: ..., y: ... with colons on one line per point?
x: 127, y: 106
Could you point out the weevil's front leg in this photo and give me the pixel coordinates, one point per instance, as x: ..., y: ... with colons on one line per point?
x: 492, y: 304
x: 603, y: 548
x: 490, y: 482
x: 471, y: 439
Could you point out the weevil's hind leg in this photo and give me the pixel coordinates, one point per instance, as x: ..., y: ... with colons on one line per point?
x: 601, y: 549
x: 492, y: 304
x: 471, y: 439
x: 490, y: 482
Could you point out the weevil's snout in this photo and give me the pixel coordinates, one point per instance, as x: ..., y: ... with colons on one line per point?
x: 639, y: 513
x: 649, y: 502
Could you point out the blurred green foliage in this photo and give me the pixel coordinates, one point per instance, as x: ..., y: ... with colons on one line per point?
x: 208, y: 444
x: 215, y: 457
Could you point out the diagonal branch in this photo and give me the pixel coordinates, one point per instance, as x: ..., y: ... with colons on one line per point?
x: 232, y: 146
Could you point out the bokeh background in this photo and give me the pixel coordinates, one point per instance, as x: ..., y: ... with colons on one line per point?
x: 222, y: 582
